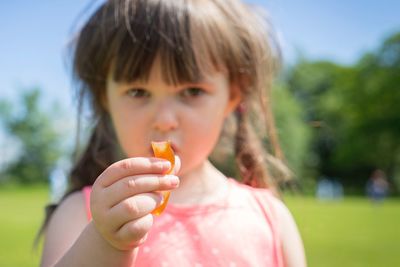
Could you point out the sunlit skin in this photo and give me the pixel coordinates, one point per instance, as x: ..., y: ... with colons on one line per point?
x: 108, y: 223
x: 125, y: 194
x: 191, y: 116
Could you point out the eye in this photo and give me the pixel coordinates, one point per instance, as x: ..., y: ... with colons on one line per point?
x: 192, y: 92
x: 138, y: 93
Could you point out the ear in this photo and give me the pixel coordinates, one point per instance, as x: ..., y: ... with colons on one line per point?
x: 234, y: 99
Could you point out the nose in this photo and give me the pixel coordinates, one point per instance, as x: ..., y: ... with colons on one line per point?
x: 165, y: 118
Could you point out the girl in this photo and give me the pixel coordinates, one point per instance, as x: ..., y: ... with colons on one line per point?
x: 177, y: 70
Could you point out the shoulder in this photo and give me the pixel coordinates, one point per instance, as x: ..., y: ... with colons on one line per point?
x: 73, y: 200
x: 72, y: 208
x: 70, y: 214
x: 283, y: 214
x: 292, y: 244
x: 283, y: 222
x: 65, y: 225
x: 261, y: 197
x: 269, y: 200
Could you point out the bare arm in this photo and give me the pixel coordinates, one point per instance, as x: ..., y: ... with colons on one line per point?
x: 292, y: 245
x: 121, y: 201
x: 72, y: 241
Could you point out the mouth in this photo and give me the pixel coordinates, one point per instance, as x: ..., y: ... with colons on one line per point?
x: 173, y: 146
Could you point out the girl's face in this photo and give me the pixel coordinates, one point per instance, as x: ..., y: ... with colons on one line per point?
x: 191, y: 116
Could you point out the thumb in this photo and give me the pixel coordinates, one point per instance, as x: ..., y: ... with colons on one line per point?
x: 177, y: 166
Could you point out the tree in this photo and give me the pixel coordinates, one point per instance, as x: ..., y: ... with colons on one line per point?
x: 294, y: 133
x: 34, y: 130
x: 355, y: 113
x: 375, y: 97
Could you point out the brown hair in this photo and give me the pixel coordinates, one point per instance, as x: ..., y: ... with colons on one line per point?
x: 192, y: 38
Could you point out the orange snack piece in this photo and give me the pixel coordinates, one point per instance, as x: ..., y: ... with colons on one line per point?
x: 163, y: 150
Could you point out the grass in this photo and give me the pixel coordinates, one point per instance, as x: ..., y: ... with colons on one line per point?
x: 349, y: 233
x: 353, y: 232
x: 20, y: 217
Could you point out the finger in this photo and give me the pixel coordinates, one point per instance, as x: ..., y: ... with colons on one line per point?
x: 134, y: 232
x: 133, y: 208
x: 133, y: 185
x: 130, y: 167
x: 177, y: 166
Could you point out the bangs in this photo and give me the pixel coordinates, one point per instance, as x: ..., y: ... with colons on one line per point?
x: 150, y: 29
x: 190, y: 38
x: 145, y: 30
x: 177, y: 32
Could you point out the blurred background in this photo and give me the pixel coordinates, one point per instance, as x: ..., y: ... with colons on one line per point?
x: 336, y: 104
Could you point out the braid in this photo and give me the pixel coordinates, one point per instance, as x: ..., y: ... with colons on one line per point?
x: 248, y: 152
x: 257, y: 168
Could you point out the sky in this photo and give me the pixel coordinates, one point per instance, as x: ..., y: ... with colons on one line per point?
x: 34, y: 37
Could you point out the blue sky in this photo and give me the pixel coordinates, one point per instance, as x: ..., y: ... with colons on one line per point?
x: 34, y: 36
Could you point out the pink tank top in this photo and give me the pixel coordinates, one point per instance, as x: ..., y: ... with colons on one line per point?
x: 239, y: 231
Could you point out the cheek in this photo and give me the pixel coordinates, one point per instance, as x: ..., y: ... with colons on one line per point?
x: 129, y: 131
x: 208, y: 126
x: 201, y: 139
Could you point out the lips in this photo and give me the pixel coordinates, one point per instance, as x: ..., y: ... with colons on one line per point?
x: 173, y: 146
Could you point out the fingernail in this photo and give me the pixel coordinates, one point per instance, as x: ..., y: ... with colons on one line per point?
x: 174, y: 180
x: 164, y: 164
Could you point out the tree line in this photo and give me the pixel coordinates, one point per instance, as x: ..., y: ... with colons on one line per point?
x: 338, y: 121
x: 351, y: 115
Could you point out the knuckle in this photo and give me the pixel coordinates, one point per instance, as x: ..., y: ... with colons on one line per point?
x: 160, y: 182
x: 130, y: 183
x: 131, y: 206
x: 126, y: 164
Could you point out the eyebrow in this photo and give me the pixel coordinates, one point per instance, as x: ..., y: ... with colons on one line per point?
x: 200, y: 79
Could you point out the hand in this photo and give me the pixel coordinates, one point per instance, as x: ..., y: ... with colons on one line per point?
x: 124, y: 195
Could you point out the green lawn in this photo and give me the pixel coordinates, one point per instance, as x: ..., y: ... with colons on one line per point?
x: 352, y: 232
x: 349, y: 233
x: 20, y: 217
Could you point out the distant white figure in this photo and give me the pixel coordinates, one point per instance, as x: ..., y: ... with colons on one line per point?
x: 337, y: 190
x: 329, y: 190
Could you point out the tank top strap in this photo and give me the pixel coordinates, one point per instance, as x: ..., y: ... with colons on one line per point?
x: 86, y: 194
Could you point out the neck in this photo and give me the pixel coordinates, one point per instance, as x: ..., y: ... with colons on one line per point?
x: 204, y: 184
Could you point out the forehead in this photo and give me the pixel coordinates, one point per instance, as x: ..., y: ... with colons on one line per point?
x: 161, y: 66
x: 215, y: 78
